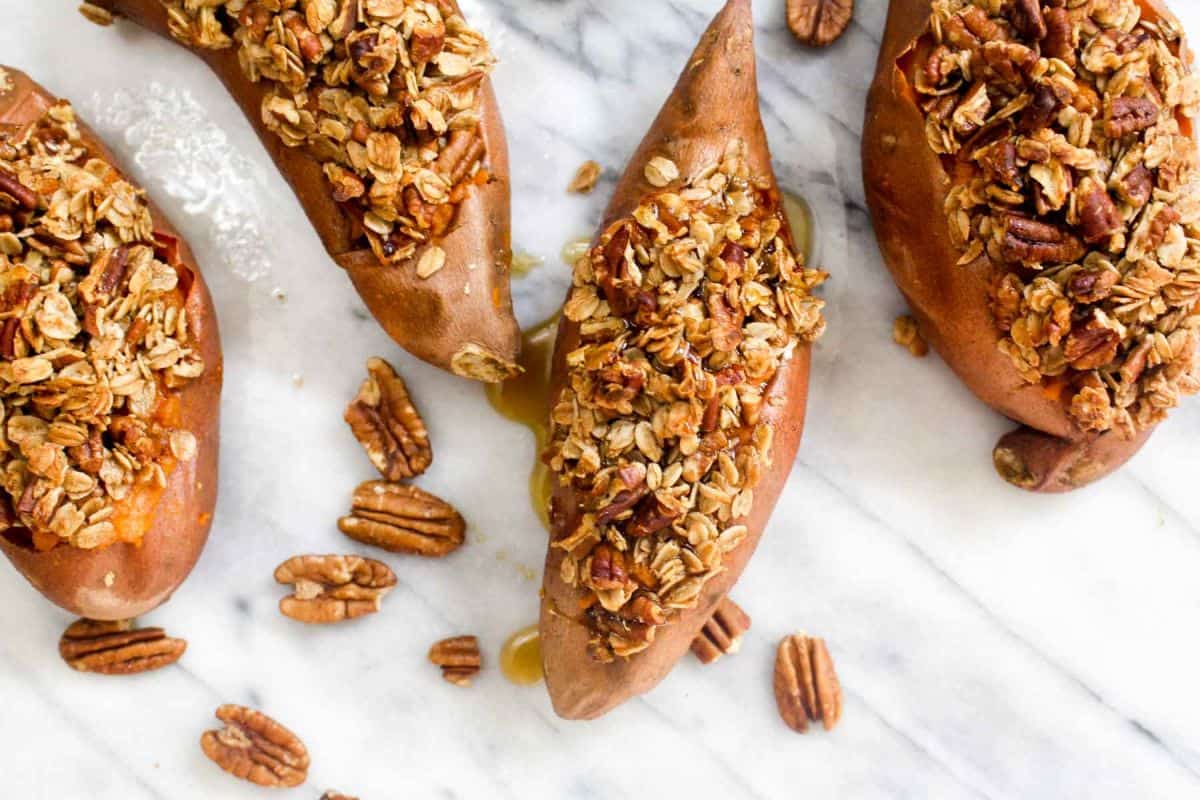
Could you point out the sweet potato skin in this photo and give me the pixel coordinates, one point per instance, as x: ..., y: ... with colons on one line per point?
x: 906, y: 188
x: 715, y: 101
x: 468, y: 304
x: 125, y: 580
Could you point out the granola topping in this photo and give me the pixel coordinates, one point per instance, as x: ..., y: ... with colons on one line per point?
x: 94, y: 341
x: 686, y: 311
x: 1067, y: 126
x: 385, y: 93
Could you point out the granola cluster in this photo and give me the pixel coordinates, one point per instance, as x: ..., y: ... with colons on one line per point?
x: 94, y: 340
x: 1066, y: 125
x: 686, y: 311
x: 384, y: 93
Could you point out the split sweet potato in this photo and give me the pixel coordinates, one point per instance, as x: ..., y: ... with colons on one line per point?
x: 680, y: 410
x: 1026, y: 167
x: 458, y: 317
x: 145, y: 544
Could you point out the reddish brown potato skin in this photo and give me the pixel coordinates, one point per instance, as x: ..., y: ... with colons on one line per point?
x: 906, y: 188
x: 716, y: 100
x: 142, y: 577
x: 432, y: 318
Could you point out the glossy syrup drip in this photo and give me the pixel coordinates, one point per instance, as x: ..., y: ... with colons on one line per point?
x: 521, y: 657
x: 524, y: 399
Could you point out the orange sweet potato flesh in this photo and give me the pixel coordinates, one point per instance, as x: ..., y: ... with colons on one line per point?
x: 906, y: 187
x: 715, y: 101
x: 124, y: 580
x: 435, y: 318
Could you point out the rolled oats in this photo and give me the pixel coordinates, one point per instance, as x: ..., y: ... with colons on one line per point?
x: 1083, y: 197
x: 686, y: 309
x: 95, y: 340
x: 385, y: 93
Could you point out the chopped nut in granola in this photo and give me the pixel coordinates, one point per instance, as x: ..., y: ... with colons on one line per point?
x: 95, y: 342
x: 906, y: 334
x: 686, y: 310
x: 1077, y: 117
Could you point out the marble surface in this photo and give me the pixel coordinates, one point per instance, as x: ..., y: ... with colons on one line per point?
x: 992, y: 644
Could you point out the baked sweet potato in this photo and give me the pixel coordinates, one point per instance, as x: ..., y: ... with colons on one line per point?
x: 679, y: 387
x: 1028, y: 173
x: 110, y: 372
x: 391, y: 139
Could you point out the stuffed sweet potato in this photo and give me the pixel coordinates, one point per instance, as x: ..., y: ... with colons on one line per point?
x: 382, y: 118
x: 1030, y: 168
x: 110, y: 372
x: 679, y: 387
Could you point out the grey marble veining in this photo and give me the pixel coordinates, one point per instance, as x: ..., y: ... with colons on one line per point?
x: 991, y: 644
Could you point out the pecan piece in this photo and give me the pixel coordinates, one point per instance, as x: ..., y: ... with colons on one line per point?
x: 1061, y: 37
x: 1098, y: 215
x: 726, y: 323
x: 651, y: 516
x: 608, y: 568
x: 458, y: 657
x: 1026, y: 17
x: 387, y: 424
x: 906, y: 334
x: 1137, y: 187
x: 256, y: 748
x: 333, y: 588
x: 722, y: 634
x: 403, y: 519
x: 1028, y: 241
x: 117, y: 648
x: 1092, y: 285
x: 818, y: 23
x: 335, y: 795
x: 1126, y: 115
x: 1091, y: 345
x: 585, y: 178
x: 806, y: 686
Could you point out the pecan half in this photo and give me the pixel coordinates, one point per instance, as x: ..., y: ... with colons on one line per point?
x: 403, y: 519
x: 386, y: 423
x: 1091, y: 345
x: 334, y: 795
x: 1026, y: 16
x: 117, y: 648
x: 1028, y: 241
x: 458, y: 657
x: 1092, y: 285
x: 819, y: 22
x: 608, y: 568
x: 256, y: 748
x: 806, y: 686
x: 333, y: 588
x: 1060, y: 41
x: 722, y: 634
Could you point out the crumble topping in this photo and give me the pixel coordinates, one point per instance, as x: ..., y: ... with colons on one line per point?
x: 1067, y: 127
x: 385, y: 93
x: 94, y: 340
x: 686, y: 310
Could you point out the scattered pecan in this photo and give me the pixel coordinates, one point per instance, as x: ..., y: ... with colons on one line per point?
x: 117, y: 648
x: 806, y: 686
x: 333, y: 588
x: 334, y: 795
x: 1091, y: 345
x: 722, y: 634
x: 458, y: 657
x: 1098, y: 215
x: 818, y: 23
x: 1028, y: 241
x: 386, y: 423
x: 1126, y: 115
x: 403, y: 519
x: 256, y: 748
x: 1092, y: 285
x: 585, y: 178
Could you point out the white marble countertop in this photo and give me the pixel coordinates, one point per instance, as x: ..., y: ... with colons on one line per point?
x: 991, y: 643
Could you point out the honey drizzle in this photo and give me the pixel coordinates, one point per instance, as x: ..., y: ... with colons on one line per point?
x: 524, y: 399
x: 521, y: 657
